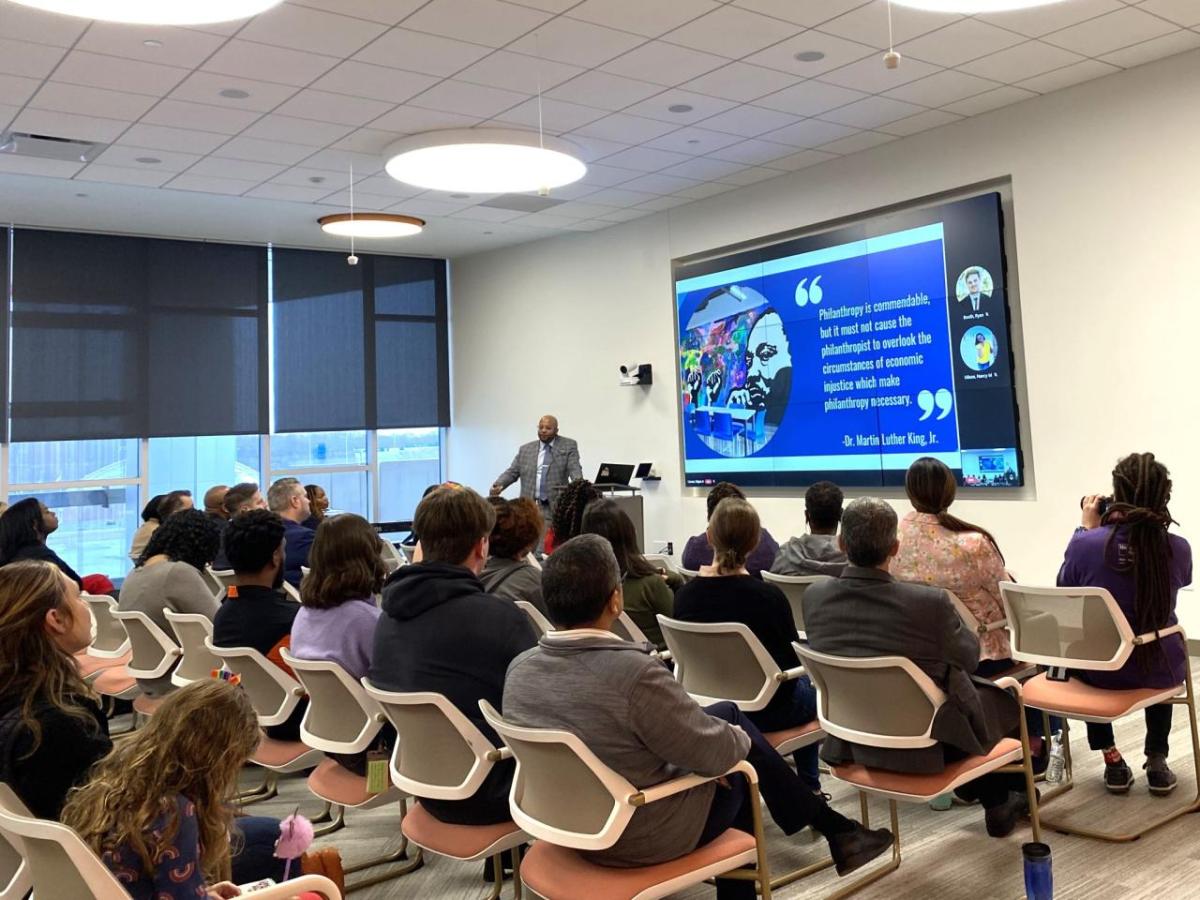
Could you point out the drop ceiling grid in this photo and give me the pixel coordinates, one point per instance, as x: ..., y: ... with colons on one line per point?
x: 611, y: 68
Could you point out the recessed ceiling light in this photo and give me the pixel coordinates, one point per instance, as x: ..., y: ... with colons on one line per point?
x: 974, y: 7
x: 489, y: 232
x: 693, y: 140
x: 484, y: 161
x: 317, y: 179
x: 156, y: 12
x: 81, y: 195
x: 150, y: 42
x: 460, y: 196
x: 149, y: 160
x: 809, y: 56
x: 371, y: 225
x: 680, y: 108
x: 235, y: 93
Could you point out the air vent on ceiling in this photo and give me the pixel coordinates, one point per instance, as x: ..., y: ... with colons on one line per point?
x: 526, y: 203
x: 45, y: 146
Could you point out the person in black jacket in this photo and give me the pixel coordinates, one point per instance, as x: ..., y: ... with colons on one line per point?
x: 24, y: 528
x: 440, y: 631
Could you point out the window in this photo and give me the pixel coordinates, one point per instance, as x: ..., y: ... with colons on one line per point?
x: 410, y: 459
x: 318, y: 449
x: 198, y: 463
x: 46, y: 462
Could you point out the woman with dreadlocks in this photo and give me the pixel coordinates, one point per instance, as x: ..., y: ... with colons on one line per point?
x: 1129, y: 551
x: 567, y: 519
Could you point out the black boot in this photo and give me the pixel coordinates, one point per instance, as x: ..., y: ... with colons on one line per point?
x: 857, y: 847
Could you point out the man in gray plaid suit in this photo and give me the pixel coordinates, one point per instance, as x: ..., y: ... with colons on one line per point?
x: 544, y: 466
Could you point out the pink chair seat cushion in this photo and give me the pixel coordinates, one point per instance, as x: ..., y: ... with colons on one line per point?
x: 90, y: 665
x: 926, y: 785
x: 458, y: 841
x: 778, y: 738
x: 331, y: 782
x: 147, y: 705
x: 1074, y: 696
x: 113, y: 681
x: 276, y: 754
x: 557, y: 873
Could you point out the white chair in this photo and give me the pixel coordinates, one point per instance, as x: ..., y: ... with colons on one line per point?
x: 540, y: 623
x: 219, y: 580
x: 533, y: 561
x: 292, y: 592
x: 408, y: 550
x: 662, y: 561
x: 304, y: 570
x: 16, y: 881
x: 341, y: 718
x: 63, y: 866
x: 392, y: 558
x: 1084, y: 629
x: 848, y: 707
x: 196, y: 663
x: 111, y: 642
x: 154, y: 654
x: 627, y: 630
x: 793, y: 587
x: 441, y: 755
x: 687, y: 574
x: 564, y: 796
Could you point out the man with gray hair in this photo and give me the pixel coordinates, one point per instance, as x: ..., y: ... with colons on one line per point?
x: 866, y: 612
x: 629, y: 710
x: 288, y: 498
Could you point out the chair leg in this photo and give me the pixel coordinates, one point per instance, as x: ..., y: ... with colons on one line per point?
x: 516, y: 854
x: 266, y: 791
x: 871, y: 877
x: 397, y: 855
x: 336, y: 823
x: 326, y: 815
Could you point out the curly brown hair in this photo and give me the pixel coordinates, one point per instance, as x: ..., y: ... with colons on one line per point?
x: 518, y: 526
x: 344, y: 562
x: 567, y: 518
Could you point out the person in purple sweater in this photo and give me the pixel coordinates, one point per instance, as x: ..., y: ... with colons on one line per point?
x: 1129, y: 551
x: 698, y: 552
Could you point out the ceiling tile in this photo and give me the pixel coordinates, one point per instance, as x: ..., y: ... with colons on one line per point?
x: 362, y: 200
x: 659, y: 183
x: 371, y: 141
x: 872, y: 76
x: 28, y: 59
x: 810, y: 98
x: 387, y: 186
x: 659, y: 107
x: 1155, y: 48
x: 80, y: 128
x: 75, y: 98
x: 982, y: 103
x: 22, y: 23
x: 664, y: 63
x: 296, y: 131
x: 577, y: 43
x: 872, y: 112
x: 809, y: 133
x: 647, y: 19
x: 340, y: 161
x: 801, y: 12
x: 414, y: 119
x: 557, y: 116
x: 132, y: 76
x: 468, y: 99
x: 868, y: 24
x: 287, y: 192
x: 486, y: 214
x: 837, y: 53
x: 360, y: 79
x: 240, y: 169
x: 416, y: 52
x: 386, y: 12
x: 301, y: 176
x: 518, y: 72
x: 257, y: 150
x: 802, y: 160
x: 179, y: 46
x: 586, y: 210
x: 740, y: 82
x: 693, y: 141
x: 24, y: 165
x: 208, y: 185
x: 955, y: 44
x: 752, y: 175
x: 311, y: 30
x: 127, y: 157
x: 7, y: 114
x: 185, y: 140
x: 749, y: 121
x: 1181, y: 12
x: 1067, y: 76
x: 16, y: 91
x: 608, y: 176
x: 944, y: 87
x: 575, y: 191
x: 593, y: 148
x: 709, y: 189
x: 703, y: 168
x: 732, y: 32
x: 199, y: 116
x: 922, y: 121
x: 753, y: 152
x: 487, y: 22
x: 644, y: 159
x: 1098, y: 36
x: 658, y: 204
x: 626, y: 128
x: 1043, y: 20
x: 620, y: 197
x: 206, y: 87
x: 864, y: 140
x: 1021, y: 62
x: 604, y: 90
x: 143, y: 177
x: 431, y: 206
x: 265, y: 63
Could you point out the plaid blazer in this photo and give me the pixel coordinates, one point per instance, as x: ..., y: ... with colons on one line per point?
x: 564, y: 467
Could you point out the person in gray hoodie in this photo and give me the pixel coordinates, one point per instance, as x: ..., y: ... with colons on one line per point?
x: 815, y: 553
x: 632, y: 713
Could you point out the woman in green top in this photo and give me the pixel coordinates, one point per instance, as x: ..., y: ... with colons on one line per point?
x: 648, y: 590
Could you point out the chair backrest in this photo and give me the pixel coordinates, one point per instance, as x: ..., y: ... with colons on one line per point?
x: 59, y: 862
x: 219, y: 580
x: 964, y: 612
x: 1078, y: 627
x: 291, y: 591
x: 392, y: 558
x: 192, y: 630
x: 687, y: 574
x: 540, y: 622
x: 561, y: 793
x: 15, y: 878
x: 879, y: 701
x: 153, y: 652
x: 793, y: 587
x: 273, y: 693
x: 110, y: 639
x: 408, y: 550
x: 722, y: 425
x: 721, y: 661
x: 340, y: 717
x: 533, y: 561
x: 662, y: 561
x: 440, y: 754
x: 627, y: 630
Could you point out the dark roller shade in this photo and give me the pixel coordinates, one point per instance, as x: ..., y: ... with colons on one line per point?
x: 411, y: 360
x: 5, y: 249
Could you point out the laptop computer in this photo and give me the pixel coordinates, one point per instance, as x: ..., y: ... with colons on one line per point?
x: 613, y: 474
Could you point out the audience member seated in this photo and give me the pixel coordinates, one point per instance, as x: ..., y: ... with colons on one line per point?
x: 698, y: 552
x: 867, y: 612
x: 255, y: 611
x: 214, y: 503
x: 1129, y: 551
x: 238, y: 498
x: 158, y: 809
x: 627, y: 708
x: 647, y: 590
x: 168, y: 577
x: 287, y: 499
x: 51, y: 727
x: 815, y: 553
x: 726, y: 592
x: 24, y: 528
x: 442, y: 632
x: 566, y: 517
x: 150, y: 521
x: 318, y: 504
x: 508, y: 572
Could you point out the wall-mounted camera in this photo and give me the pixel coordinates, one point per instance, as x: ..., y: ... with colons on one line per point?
x: 633, y: 374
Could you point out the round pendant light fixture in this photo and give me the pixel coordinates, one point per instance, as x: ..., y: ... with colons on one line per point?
x: 155, y: 12
x: 973, y: 7
x: 371, y: 225
x: 484, y: 161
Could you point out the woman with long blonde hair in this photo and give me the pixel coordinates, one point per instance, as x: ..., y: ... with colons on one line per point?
x: 159, y: 809
x: 52, y: 729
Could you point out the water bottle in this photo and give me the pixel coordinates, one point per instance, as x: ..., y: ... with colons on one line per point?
x: 1056, y: 765
x: 1039, y: 874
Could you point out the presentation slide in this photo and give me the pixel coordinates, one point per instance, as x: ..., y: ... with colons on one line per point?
x: 848, y: 354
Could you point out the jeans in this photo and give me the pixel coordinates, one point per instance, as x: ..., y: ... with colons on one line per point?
x: 800, y: 709
x: 1158, y: 731
x: 256, y: 859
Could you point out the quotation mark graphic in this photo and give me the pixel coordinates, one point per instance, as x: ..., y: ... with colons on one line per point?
x: 813, y: 292
x: 943, y: 400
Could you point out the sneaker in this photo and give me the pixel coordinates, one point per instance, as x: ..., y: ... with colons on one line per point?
x: 1158, y: 773
x: 1001, y: 820
x: 1118, y: 778
x: 857, y: 847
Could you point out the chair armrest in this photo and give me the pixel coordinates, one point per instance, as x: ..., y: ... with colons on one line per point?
x: 1151, y: 636
x: 789, y: 674
x: 1009, y: 684
x: 686, y: 783
x: 499, y: 753
x: 318, y: 884
x: 993, y: 626
x: 662, y: 654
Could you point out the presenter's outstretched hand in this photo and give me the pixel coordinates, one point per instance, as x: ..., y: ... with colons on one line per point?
x: 495, y: 490
x: 1091, y: 511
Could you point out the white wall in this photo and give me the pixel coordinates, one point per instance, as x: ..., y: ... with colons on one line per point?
x: 1104, y: 182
